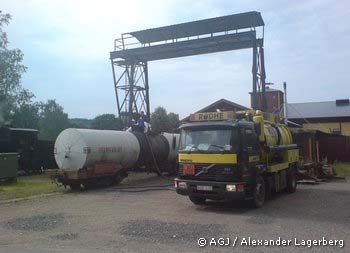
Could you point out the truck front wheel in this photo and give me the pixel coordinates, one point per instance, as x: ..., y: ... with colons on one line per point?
x: 197, y: 200
x: 259, y: 192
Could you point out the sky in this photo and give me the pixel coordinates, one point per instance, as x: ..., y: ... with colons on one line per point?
x: 66, y: 47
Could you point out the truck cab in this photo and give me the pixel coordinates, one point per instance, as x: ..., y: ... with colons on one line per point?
x: 222, y: 157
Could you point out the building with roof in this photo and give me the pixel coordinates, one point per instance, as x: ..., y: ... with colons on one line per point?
x: 222, y: 105
x: 328, y: 116
x: 274, y: 100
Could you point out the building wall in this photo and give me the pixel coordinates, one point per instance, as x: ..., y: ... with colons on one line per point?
x: 330, y: 127
x: 334, y: 147
x: 274, y: 100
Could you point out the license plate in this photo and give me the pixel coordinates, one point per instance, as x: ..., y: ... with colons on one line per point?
x: 204, y: 188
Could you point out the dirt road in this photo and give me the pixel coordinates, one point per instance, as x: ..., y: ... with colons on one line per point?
x: 108, y: 220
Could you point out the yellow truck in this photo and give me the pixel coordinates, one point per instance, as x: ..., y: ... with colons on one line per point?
x: 235, y: 155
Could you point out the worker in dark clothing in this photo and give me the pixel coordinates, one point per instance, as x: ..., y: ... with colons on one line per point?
x: 141, y: 121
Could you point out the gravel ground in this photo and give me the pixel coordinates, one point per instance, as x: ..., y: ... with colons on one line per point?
x: 41, y: 222
x: 108, y: 220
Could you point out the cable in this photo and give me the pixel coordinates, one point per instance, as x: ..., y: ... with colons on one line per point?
x: 308, y: 122
x: 303, y: 118
x: 145, y: 188
x: 142, y: 186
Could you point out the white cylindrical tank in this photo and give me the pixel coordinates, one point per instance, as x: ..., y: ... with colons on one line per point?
x: 77, y: 148
x: 173, y: 141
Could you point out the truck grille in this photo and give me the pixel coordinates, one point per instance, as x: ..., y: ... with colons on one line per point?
x: 220, y: 172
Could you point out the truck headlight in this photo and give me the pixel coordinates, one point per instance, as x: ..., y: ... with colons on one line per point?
x: 182, y: 185
x: 231, y: 188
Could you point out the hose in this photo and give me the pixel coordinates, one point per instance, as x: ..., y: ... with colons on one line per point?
x: 145, y: 188
x: 155, y: 161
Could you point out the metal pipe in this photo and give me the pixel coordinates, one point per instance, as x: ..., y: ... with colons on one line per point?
x: 285, y: 115
x: 270, y: 149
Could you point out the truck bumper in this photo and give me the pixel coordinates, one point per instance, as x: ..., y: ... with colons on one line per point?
x: 217, y: 190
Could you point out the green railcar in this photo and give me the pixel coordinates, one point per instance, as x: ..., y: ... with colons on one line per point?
x: 8, y: 166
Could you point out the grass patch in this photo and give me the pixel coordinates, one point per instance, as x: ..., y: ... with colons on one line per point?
x: 28, y: 186
x: 342, y: 169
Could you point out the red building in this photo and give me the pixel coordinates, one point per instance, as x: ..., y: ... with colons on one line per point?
x: 274, y: 100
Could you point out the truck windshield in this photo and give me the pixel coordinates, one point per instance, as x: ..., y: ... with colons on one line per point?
x: 210, y: 141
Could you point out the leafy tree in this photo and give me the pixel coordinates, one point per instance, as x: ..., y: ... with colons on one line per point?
x: 26, y: 116
x: 80, y: 123
x: 52, y: 120
x: 11, y: 70
x: 159, y: 120
x: 107, y: 122
x: 174, y: 122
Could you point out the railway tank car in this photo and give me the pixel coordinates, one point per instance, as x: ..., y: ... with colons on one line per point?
x: 93, y: 157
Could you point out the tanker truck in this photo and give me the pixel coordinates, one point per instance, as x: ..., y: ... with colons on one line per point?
x: 235, y: 155
x: 87, y: 157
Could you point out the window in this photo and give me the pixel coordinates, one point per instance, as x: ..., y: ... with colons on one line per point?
x: 250, y: 141
x: 208, y: 140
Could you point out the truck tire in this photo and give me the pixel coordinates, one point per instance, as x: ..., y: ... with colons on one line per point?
x: 268, y: 189
x: 291, y: 181
x: 197, y: 200
x: 259, y: 192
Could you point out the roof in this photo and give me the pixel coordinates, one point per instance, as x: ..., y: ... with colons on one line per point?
x: 200, y: 27
x: 231, y: 32
x: 268, y: 89
x: 327, y: 109
x: 216, y: 103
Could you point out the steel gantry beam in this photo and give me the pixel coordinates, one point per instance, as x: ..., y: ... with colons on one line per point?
x: 134, y: 50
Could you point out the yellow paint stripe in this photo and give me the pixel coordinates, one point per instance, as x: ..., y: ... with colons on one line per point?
x: 254, y: 158
x: 277, y: 167
x: 208, y: 158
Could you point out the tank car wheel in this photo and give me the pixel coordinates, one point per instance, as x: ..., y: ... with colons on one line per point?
x: 197, y: 200
x: 259, y: 192
x: 291, y: 181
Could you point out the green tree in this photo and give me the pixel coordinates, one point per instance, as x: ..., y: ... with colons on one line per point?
x: 107, y: 122
x: 11, y: 70
x: 80, y: 123
x: 174, y: 122
x: 52, y: 120
x: 159, y: 120
x: 26, y: 116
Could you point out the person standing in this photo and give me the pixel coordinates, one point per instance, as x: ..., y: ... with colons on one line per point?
x: 141, y: 121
